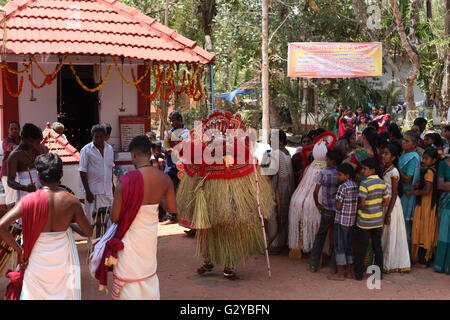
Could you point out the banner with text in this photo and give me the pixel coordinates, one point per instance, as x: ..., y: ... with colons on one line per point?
x: 334, y: 59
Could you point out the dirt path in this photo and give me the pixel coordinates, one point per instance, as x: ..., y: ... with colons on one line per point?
x: 290, y: 278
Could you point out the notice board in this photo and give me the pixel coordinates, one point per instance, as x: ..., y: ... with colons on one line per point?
x: 130, y: 127
x: 334, y: 59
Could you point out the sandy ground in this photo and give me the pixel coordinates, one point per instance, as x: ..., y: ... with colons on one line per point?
x: 290, y: 279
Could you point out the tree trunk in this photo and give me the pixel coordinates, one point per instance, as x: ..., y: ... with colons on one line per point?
x: 305, y: 100
x: 411, y: 49
x: 265, y: 72
x: 446, y: 80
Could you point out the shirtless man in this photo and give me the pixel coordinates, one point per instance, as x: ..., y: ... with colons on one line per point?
x: 141, y: 189
x: 21, y: 161
x: 49, y: 272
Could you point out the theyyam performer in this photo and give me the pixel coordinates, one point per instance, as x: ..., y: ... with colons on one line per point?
x: 223, y: 193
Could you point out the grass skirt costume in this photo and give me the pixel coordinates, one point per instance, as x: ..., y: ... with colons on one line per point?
x: 220, y: 199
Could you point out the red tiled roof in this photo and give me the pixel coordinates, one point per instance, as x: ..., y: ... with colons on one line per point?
x: 95, y: 27
x: 60, y: 146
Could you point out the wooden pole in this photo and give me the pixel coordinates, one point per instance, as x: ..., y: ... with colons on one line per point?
x: 265, y: 72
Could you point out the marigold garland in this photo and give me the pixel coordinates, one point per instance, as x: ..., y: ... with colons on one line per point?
x: 151, y: 96
x: 42, y: 71
x: 99, y: 87
x: 8, y: 89
x: 165, y: 79
x: 134, y: 82
x: 27, y: 68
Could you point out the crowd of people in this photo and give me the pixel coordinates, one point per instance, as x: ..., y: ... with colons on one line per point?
x: 372, y: 184
x: 370, y: 195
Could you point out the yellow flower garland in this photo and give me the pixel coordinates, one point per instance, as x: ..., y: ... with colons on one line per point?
x: 99, y: 87
x: 132, y: 83
x: 27, y: 68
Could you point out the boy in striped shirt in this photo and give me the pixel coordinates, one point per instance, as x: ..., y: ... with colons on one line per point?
x: 373, y: 196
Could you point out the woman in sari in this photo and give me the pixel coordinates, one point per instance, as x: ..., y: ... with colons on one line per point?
x: 336, y: 117
x: 442, y: 253
x: 369, y: 149
x: 409, y: 167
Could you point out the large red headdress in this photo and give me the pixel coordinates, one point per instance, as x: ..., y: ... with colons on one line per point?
x: 330, y: 140
x: 219, y: 148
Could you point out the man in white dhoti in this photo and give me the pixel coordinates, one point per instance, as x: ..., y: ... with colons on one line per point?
x: 49, y: 268
x: 132, y: 249
x: 22, y: 175
x: 96, y: 171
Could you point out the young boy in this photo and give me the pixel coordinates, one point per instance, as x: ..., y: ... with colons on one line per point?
x: 328, y: 181
x: 344, y: 222
x: 373, y: 196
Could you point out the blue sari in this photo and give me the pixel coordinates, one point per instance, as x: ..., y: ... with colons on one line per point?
x: 409, y: 164
x: 442, y: 256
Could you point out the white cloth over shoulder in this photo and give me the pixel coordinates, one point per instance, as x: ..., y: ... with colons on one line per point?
x: 99, y: 248
x: 24, y: 179
x: 135, y: 272
x: 53, y: 271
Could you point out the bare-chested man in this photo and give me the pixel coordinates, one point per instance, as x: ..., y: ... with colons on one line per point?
x: 21, y: 161
x: 135, y: 209
x: 52, y: 271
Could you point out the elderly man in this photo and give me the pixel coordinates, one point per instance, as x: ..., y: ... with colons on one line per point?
x: 96, y: 171
x: 58, y: 127
x: 49, y: 264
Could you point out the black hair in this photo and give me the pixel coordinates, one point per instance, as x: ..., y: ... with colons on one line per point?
x: 309, y: 137
x: 434, y: 154
x: 282, y: 137
x: 394, y: 130
x: 420, y: 121
x: 372, y: 163
x: 373, y: 124
x: 371, y: 136
x: 436, y: 137
x: 14, y: 121
x: 317, y: 132
x: 447, y: 127
x: 346, y: 168
x: 49, y: 167
x: 107, y: 127
x: 31, y: 131
x: 347, y: 136
x: 176, y: 115
x: 414, y: 136
x: 141, y: 144
x: 382, y: 107
x: 395, y: 149
x: 383, y: 139
x: 98, y: 128
x: 335, y: 155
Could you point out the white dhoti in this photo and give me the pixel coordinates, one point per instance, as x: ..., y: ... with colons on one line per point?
x: 135, y: 273
x: 24, y: 179
x: 100, y: 201
x: 53, y: 271
x: 10, y: 193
